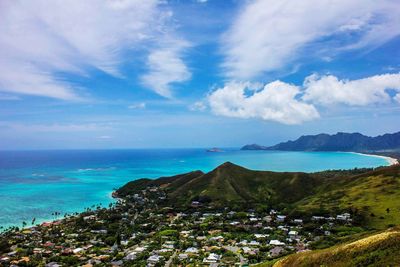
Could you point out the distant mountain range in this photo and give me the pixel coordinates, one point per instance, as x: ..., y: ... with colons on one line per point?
x: 338, y: 142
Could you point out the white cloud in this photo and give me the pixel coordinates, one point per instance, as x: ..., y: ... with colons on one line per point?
x: 42, y: 40
x: 141, y: 105
x: 290, y: 104
x: 198, y: 106
x: 166, y: 67
x: 276, y: 101
x: 267, y: 35
x: 397, y: 97
x: 329, y: 90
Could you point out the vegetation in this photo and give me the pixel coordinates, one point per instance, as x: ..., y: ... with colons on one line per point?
x: 381, y: 249
x: 370, y: 195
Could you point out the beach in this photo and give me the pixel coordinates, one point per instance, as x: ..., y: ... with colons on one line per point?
x: 390, y: 160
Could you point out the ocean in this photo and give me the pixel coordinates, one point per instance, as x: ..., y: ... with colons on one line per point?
x: 35, y: 184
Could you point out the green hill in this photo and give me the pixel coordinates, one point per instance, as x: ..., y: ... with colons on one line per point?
x: 230, y: 183
x: 371, y: 195
x: 374, y: 195
x: 381, y: 249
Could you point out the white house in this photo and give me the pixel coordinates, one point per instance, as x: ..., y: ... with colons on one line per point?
x: 275, y: 242
x: 212, y: 258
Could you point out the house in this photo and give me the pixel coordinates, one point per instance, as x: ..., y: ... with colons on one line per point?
x: 275, y: 242
x: 53, y: 264
x: 343, y: 217
x: 293, y: 234
x: 195, y: 204
x: 247, y: 250
x: 276, y: 251
x: 131, y: 256
x: 183, y: 256
x: 140, y: 249
x: 117, y: 263
x: 298, y: 221
x: 259, y: 236
x: 254, y: 243
x: 217, y: 238
x: 317, y: 218
x: 268, y: 218
x: 192, y: 250
x: 154, y: 259
x: 77, y: 250
x: 212, y: 258
x: 168, y: 245
x: 280, y: 218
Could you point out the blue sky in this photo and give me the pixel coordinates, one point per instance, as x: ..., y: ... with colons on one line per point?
x: 195, y: 73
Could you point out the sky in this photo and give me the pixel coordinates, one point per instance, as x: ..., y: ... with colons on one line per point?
x: 102, y: 74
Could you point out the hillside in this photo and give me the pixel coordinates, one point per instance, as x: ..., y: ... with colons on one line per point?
x: 230, y: 183
x: 371, y: 195
x: 374, y: 195
x: 381, y: 249
x: 337, y: 142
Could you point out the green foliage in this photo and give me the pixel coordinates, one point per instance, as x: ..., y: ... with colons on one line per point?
x: 168, y: 232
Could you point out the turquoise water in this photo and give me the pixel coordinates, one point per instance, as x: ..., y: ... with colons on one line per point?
x: 34, y: 184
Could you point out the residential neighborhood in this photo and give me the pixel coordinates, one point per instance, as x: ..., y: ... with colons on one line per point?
x: 140, y: 231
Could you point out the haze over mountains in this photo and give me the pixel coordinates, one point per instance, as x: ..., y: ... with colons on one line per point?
x: 338, y: 142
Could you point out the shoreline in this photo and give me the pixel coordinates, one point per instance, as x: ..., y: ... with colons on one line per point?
x: 114, y: 199
x: 390, y: 160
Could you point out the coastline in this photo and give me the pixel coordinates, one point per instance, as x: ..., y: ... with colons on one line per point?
x: 113, y: 199
x: 390, y: 160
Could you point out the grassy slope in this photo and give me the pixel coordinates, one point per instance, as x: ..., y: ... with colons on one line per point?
x: 381, y: 249
x: 371, y: 193
x: 232, y: 183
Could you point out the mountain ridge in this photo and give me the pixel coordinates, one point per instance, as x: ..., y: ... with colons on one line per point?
x: 340, y: 141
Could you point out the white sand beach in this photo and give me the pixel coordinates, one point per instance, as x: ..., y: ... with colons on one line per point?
x: 391, y: 161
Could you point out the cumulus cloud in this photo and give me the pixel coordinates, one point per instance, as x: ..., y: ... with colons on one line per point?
x: 41, y: 40
x: 166, y: 67
x: 276, y: 101
x: 291, y: 104
x: 329, y: 90
x: 267, y: 35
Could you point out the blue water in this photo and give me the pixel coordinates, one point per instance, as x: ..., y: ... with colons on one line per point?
x: 34, y: 184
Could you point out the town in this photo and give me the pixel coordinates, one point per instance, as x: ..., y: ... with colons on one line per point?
x: 139, y: 230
